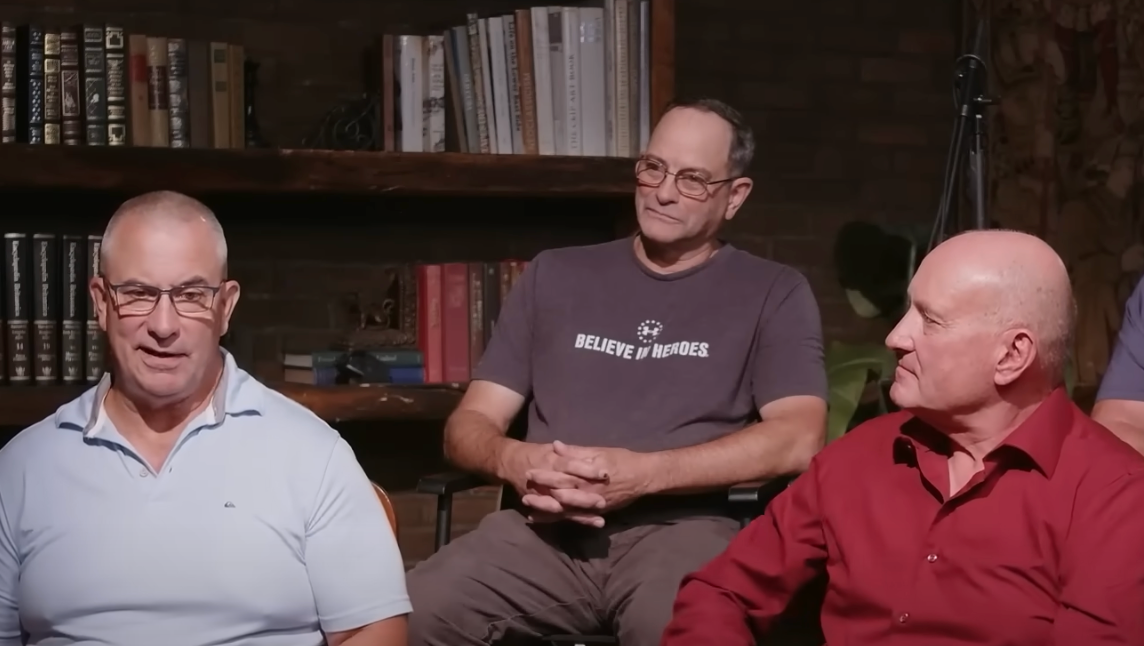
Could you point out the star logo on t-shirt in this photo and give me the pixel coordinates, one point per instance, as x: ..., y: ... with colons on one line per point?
x: 649, y: 331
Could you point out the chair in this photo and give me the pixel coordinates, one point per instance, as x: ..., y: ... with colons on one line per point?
x: 387, y: 505
x: 746, y: 502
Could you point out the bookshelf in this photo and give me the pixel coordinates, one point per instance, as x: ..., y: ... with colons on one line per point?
x: 66, y: 177
x: 275, y: 171
x: 363, y: 403
x: 26, y: 405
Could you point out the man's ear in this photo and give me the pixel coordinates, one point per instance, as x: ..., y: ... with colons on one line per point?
x: 739, y: 191
x: 97, y: 290
x: 1018, y: 353
x: 229, y: 293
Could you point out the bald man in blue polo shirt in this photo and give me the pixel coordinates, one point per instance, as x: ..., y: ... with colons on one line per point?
x: 180, y: 502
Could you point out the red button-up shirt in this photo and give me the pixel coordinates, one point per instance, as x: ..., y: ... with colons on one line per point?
x: 1045, y: 547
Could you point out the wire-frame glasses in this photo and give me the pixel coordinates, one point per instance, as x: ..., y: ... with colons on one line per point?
x: 652, y: 173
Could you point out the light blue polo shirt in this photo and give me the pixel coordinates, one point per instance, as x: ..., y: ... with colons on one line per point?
x: 261, y: 530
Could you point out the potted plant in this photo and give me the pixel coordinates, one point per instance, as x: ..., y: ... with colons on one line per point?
x: 874, y: 267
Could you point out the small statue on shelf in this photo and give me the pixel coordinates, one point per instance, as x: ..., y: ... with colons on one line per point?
x: 377, y: 317
x: 376, y: 313
x: 350, y: 125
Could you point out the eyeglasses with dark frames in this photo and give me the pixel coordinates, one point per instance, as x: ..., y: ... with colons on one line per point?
x: 652, y: 173
x: 138, y: 299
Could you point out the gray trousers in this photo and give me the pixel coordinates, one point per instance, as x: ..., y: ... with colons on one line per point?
x: 511, y: 579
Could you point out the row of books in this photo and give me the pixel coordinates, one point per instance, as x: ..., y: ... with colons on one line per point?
x: 52, y: 335
x: 546, y: 80
x: 446, y: 311
x: 96, y: 85
x: 344, y: 366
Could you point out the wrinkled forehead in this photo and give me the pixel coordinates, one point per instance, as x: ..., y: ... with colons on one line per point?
x: 162, y: 254
x: 688, y: 139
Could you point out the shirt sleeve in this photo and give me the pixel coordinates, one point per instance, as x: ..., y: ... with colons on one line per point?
x: 1124, y: 378
x: 10, y: 631
x: 352, y: 558
x: 741, y: 592
x: 507, y: 359
x: 788, y: 357
x: 1102, y: 596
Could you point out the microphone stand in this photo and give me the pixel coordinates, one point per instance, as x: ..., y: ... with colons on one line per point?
x: 970, y: 84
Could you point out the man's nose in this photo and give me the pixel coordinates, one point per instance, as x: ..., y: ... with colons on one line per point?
x: 898, y: 339
x: 164, y: 319
x: 667, y: 192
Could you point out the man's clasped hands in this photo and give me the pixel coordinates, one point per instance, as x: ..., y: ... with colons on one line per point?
x: 562, y: 482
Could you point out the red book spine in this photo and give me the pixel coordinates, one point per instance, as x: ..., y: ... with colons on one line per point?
x: 455, y: 320
x: 137, y: 66
x: 429, y: 333
x: 476, y: 315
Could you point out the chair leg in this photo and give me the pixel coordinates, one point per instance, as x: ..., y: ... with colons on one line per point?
x: 444, y: 521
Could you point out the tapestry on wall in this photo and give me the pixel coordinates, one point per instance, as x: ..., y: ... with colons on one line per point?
x: 1067, y: 147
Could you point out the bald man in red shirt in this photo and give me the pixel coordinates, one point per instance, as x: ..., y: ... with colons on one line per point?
x: 991, y: 511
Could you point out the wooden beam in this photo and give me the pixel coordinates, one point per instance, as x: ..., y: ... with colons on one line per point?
x: 662, y: 47
x: 22, y: 406
x: 374, y: 402
x: 264, y: 171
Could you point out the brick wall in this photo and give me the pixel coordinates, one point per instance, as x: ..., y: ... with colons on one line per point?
x: 852, y: 108
x: 850, y: 100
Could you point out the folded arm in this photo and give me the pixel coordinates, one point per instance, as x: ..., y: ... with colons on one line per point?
x: 1102, y: 597
x: 1124, y: 417
x: 476, y: 433
x: 790, y: 434
x: 1120, y: 401
x: 739, y: 594
x: 788, y: 381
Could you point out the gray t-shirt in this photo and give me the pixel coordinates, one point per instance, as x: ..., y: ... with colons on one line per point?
x: 1124, y: 378
x: 616, y: 355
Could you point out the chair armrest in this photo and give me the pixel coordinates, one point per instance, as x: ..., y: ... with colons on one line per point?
x: 748, y: 500
x: 444, y: 485
x: 448, y: 483
x: 759, y: 492
x: 579, y: 640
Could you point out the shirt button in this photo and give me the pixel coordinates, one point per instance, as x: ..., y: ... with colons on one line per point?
x: 143, y: 473
x: 903, y: 618
x: 932, y: 558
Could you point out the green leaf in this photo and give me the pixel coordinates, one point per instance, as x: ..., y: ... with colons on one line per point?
x: 848, y: 370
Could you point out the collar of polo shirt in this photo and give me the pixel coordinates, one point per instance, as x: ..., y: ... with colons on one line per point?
x: 236, y: 393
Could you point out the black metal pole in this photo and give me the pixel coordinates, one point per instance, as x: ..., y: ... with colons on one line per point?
x: 979, y: 218
x: 970, y: 81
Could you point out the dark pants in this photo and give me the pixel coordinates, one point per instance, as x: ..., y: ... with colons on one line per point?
x: 510, y: 578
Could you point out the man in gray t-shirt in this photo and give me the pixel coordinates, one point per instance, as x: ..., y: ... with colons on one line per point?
x: 646, y: 364
x: 1120, y: 400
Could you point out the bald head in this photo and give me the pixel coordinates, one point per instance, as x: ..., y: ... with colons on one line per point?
x: 1018, y: 281
x: 164, y: 209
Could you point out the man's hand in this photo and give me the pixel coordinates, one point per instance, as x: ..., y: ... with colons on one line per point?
x: 526, y: 457
x: 583, y: 482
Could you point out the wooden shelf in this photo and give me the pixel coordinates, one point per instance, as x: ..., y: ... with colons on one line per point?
x: 266, y: 171
x: 366, y: 403
x: 26, y: 405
